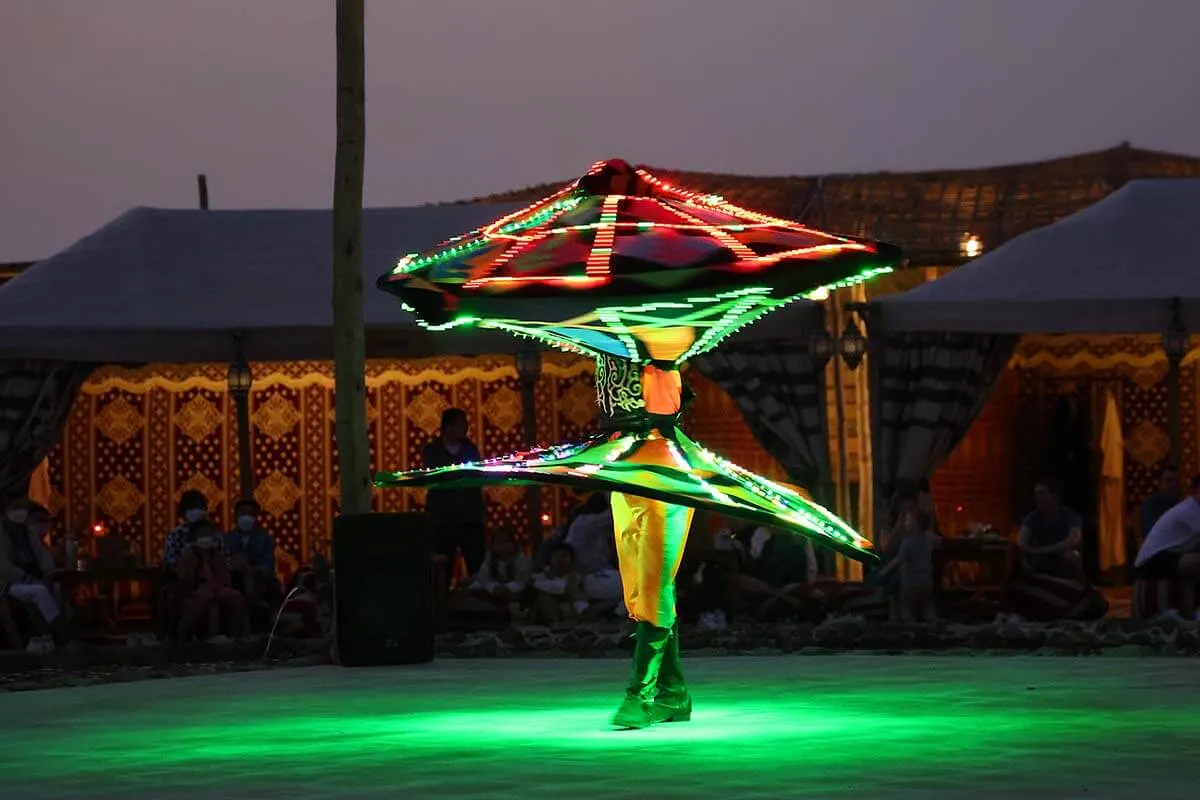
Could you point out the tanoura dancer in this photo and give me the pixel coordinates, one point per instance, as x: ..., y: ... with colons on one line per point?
x: 641, y: 276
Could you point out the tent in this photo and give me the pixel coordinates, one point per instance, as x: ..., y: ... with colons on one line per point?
x: 1114, y: 267
x: 165, y: 285
x: 174, y: 285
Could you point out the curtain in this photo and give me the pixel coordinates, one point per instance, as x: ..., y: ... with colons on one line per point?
x: 1112, y: 486
x: 927, y: 389
x: 35, y: 398
x: 39, y: 484
x: 778, y: 391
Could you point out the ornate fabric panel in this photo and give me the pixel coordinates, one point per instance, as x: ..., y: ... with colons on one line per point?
x: 136, y: 439
x: 618, y: 391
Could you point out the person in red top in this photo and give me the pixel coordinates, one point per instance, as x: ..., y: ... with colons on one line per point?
x: 203, y: 571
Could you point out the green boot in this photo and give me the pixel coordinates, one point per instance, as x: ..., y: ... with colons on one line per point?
x: 672, y: 703
x: 637, y: 708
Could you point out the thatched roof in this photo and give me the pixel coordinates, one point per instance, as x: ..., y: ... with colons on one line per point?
x: 930, y: 214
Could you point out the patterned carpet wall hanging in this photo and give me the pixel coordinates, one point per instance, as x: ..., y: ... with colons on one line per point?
x: 138, y: 438
x: 1135, y: 367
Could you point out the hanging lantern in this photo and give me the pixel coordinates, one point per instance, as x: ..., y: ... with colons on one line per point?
x: 821, y: 347
x: 853, y: 344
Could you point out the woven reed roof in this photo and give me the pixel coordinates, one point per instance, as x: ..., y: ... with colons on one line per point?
x: 930, y: 214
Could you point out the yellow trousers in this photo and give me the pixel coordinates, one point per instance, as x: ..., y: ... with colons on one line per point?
x: 651, y: 536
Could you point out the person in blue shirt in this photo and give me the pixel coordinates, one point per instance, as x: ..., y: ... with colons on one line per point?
x: 1169, y: 494
x: 251, y: 553
x: 1051, y: 535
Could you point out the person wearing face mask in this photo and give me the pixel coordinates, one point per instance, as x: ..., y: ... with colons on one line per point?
x: 193, y: 510
x: 27, y: 568
x: 203, y: 573
x: 251, y: 553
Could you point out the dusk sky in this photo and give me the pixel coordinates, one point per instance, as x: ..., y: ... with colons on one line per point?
x: 110, y: 104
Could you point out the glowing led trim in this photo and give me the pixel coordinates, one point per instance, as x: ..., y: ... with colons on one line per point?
x: 722, y: 204
x: 736, y: 247
x: 600, y: 257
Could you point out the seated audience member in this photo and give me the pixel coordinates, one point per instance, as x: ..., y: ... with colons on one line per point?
x: 251, y: 552
x: 505, y: 573
x: 777, y: 573
x: 1171, y: 549
x: 541, y: 557
x: 591, y: 535
x: 203, y: 573
x: 193, y: 510
x: 558, y: 590
x: 1168, y: 495
x: 1051, y: 535
x: 27, y: 570
x: 913, y: 563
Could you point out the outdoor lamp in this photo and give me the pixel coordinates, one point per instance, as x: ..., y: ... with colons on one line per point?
x: 1175, y: 337
x: 972, y: 247
x: 820, y: 347
x: 853, y: 343
x: 529, y: 365
x: 241, y: 378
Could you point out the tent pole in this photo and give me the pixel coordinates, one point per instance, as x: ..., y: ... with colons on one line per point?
x: 349, y: 346
x: 1175, y: 345
x: 1173, y: 411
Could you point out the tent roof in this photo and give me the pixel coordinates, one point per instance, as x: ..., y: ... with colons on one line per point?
x: 1114, y: 267
x: 174, y: 285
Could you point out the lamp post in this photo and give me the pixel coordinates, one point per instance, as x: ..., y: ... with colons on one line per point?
x: 529, y: 369
x: 241, y: 378
x: 1175, y: 345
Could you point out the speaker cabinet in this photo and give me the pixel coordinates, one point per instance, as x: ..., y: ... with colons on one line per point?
x: 384, y: 590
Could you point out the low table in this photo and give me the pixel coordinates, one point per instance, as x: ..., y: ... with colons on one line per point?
x: 71, y: 580
x: 996, y: 559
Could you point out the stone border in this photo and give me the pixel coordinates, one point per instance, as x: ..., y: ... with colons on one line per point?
x: 20, y: 671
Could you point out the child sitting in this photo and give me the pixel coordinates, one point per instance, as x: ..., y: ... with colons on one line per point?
x: 203, y: 572
x: 558, y: 590
x: 504, y: 574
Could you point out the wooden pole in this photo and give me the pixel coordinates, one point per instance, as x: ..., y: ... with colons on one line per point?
x: 202, y: 188
x: 349, y: 349
x: 241, y: 404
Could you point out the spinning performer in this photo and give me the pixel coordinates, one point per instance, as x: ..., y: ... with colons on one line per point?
x: 640, y: 276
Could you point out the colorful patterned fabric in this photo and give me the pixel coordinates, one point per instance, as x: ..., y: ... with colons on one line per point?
x: 1154, y: 598
x: 641, y: 276
x: 623, y: 255
x: 1045, y: 598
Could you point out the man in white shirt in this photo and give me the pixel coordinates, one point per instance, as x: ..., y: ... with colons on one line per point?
x: 1172, y: 547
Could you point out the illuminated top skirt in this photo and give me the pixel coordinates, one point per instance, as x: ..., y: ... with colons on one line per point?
x: 641, y: 276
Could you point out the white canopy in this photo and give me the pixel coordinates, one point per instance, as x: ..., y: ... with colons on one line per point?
x: 1114, y: 267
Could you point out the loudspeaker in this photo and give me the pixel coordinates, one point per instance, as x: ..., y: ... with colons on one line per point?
x: 384, y: 590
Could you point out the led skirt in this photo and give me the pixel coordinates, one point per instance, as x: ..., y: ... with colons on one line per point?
x: 609, y: 262
x: 667, y: 467
x: 622, y: 267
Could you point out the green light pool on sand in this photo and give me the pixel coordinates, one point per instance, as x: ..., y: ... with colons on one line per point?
x: 838, y: 726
